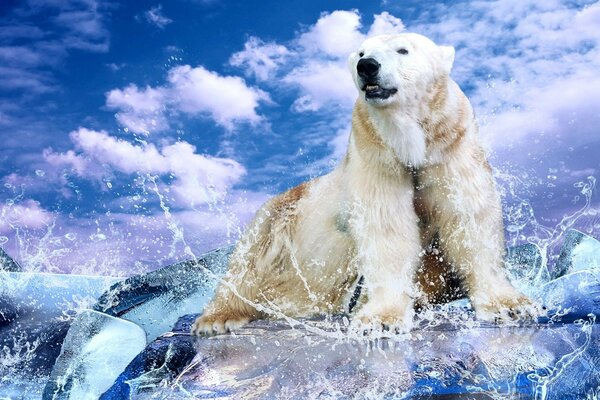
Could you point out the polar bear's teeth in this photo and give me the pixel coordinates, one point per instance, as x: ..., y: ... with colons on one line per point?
x: 372, y: 87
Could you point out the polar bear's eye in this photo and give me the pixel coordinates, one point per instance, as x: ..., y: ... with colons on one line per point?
x: 361, y: 54
x: 402, y: 51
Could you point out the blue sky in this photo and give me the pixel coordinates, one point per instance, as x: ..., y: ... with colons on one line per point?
x: 132, y: 130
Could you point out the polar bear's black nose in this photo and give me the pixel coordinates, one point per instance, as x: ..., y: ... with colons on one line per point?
x: 367, y: 68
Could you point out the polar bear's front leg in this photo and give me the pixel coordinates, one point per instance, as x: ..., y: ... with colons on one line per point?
x: 388, y: 246
x: 231, y: 307
x: 475, y: 249
x: 469, y: 215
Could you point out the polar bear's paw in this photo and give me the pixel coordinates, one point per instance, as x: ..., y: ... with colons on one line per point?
x: 218, y: 323
x: 506, y: 308
x: 390, y: 320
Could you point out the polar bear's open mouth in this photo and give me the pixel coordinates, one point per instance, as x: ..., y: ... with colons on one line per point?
x: 374, y: 91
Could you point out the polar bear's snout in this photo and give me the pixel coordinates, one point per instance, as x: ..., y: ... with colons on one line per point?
x: 368, y: 72
x: 368, y: 69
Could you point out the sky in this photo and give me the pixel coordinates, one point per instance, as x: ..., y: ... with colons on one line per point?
x: 134, y: 133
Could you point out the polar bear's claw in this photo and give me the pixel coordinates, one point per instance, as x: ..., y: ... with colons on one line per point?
x: 207, y: 325
x: 509, y: 308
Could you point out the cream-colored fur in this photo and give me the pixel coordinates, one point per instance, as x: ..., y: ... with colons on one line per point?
x: 306, y: 247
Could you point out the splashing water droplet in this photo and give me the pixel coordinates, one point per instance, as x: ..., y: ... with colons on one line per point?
x: 40, y: 172
x: 97, y: 237
x: 71, y: 236
x: 3, y: 239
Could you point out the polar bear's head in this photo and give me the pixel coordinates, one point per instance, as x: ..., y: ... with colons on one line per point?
x: 398, y: 69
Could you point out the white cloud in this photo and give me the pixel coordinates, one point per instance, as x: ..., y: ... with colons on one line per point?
x: 75, y: 161
x: 24, y: 31
x: 197, y: 178
x: 115, y: 67
x: 140, y: 110
x: 85, y: 26
x: 155, y: 17
x: 20, y: 55
x: 336, y: 34
x: 533, y: 65
x: 226, y: 98
x: 322, y: 83
x: 260, y: 59
x: 567, y: 107
x: 32, y: 81
x: 385, y: 23
x: 27, y: 214
x: 192, y: 91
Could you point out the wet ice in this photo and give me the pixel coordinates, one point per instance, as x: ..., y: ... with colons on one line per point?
x: 449, y: 353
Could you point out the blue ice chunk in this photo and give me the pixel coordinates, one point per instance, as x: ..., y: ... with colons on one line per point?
x: 571, y: 297
x: 579, y: 252
x: 36, y: 311
x: 162, y: 361
x: 96, y: 349
x: 157, y: 299
x: 524, y: 267
x: 7, y: 263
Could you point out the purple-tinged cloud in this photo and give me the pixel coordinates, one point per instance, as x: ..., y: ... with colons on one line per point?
x: 197, y: 178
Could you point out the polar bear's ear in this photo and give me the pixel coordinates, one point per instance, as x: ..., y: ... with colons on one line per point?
x: 447, y: 57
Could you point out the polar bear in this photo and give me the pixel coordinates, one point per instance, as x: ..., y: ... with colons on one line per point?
x: 413, y: 173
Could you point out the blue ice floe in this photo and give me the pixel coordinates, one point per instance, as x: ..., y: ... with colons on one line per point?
x: 450, y: 355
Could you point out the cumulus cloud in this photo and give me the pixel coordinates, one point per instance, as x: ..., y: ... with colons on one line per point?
x: 154, y: 16
x: 196, y: 178
x: 140, y: 110
x: 385, y: 23
x: 335, y: 34
x: 228, y: 100
x: 322, y: 83
x: 27, y: 214
x: 260, y: 59
x: 532, y: 68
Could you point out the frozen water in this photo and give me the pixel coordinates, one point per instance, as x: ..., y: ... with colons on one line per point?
x: 36, y: 311
x: 269, y: 359
x: 97, y: 348
x: 7, y: 263
x: 576, y: 295
x: 162, y: 361
x: 579, y: 252
x: 449, y: 354
x: 156, y: 300
x: 524, y: 267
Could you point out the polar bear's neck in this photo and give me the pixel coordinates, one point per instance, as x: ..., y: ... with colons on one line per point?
x: 401, y: 133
